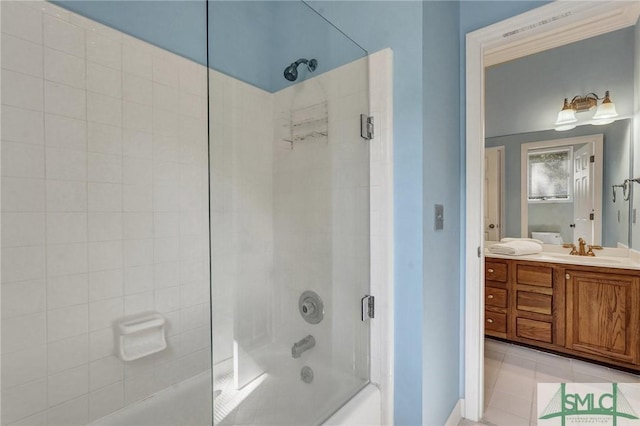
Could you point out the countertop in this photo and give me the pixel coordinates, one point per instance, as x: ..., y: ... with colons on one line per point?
x: 620, y: 258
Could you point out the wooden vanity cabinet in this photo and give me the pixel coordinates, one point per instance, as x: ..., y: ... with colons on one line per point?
x: 496, y: 298
x: 603, y: 314
x: 537, y: 304
x: 589, y: 312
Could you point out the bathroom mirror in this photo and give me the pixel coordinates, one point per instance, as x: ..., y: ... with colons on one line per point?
x: 523, y: 98
x: 523, y: 216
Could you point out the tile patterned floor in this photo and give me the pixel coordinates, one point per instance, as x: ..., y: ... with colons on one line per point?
x: 512, y: 372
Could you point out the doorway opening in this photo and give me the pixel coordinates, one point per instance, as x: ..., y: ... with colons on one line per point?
x: 543, y: 28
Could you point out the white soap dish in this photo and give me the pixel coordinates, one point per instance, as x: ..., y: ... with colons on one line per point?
x: 140, y: 335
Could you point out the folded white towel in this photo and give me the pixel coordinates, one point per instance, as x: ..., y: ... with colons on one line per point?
x: 510, y: 239
x: 516, y: 248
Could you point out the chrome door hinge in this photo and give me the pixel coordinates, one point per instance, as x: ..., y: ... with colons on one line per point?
x: 367, y: 307
x: 366, y: 126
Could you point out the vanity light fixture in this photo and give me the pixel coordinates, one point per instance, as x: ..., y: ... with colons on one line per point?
x: 605, y: 114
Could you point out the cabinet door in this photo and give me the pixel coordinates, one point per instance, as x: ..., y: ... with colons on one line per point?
x: 602, y: 314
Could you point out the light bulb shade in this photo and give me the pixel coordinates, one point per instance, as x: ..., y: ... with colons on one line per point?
x: 605, y: 111
x: 566, y: 116
x: 565, y: 127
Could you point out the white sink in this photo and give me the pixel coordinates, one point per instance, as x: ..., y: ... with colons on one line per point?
x: 591, y: 260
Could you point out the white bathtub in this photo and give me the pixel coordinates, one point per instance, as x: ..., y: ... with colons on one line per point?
x: 189, y: 404
x: 362, y: 410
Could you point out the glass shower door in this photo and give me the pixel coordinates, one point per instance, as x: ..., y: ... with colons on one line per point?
x: 289, y: 214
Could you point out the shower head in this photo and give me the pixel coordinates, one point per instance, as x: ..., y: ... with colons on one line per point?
x: 291, y: 72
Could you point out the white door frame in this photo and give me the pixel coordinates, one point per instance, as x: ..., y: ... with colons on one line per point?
x: 501, y: 191
x: 543, y: 28
x: 598, y: 141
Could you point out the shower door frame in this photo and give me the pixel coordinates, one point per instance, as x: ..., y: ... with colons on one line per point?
x: 381, y: 346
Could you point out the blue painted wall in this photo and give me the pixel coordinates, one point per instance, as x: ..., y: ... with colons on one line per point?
x: 441, y: 156
x: 238, y: 49
x: 476, y: 14
x: 543, y: 80
x: 254, y: 41
x: 299, y: 32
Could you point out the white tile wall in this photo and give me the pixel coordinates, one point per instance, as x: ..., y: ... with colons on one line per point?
x: 22, y: 90
x: 22, y: 56
x: 68, y: 353
x: 65, y: 100
x: 23, y: 229
x: 63, y: 68
x: 66, y: 133
x: 24, y: 366
x: 64, y: 36
x: 67, y: 290
x: 94, y: 226
x: 242, y: 221
x: 20, y: 125
x: 73, y: 412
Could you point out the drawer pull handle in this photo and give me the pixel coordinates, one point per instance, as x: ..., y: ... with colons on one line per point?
x: 489, y: 320
x: 490, y: 271
x: 490, y: 296
x: 567, y: 276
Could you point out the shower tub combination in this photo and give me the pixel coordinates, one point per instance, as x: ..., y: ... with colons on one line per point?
x: 270, y: 251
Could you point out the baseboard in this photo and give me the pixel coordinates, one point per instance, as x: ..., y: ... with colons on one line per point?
x: 456, y: 414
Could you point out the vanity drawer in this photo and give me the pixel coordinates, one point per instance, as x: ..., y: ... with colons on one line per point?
x: 495, y: 297
x: 534, y: 302
x: 541, y: 276
x: 534, y: 330
x: 495, y: 271
x: 495, y: 321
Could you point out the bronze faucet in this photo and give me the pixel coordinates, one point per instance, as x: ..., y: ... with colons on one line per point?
x: 573, y: 252
x: 580, y: 251
x: 581, y: 243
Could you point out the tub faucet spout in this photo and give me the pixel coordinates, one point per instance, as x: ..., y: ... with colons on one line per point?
x: 302, y: 346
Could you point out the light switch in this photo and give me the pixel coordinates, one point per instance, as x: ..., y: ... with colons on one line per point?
x: 439, y: 217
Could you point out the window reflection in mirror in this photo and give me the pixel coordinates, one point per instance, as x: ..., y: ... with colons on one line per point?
x: 550, y: 175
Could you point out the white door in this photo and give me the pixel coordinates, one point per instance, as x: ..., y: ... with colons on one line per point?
x: 493, y: 192
x: 583, y: 195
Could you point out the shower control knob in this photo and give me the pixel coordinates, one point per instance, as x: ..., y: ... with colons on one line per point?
x: 308, y: 308
x: 311, y: 307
